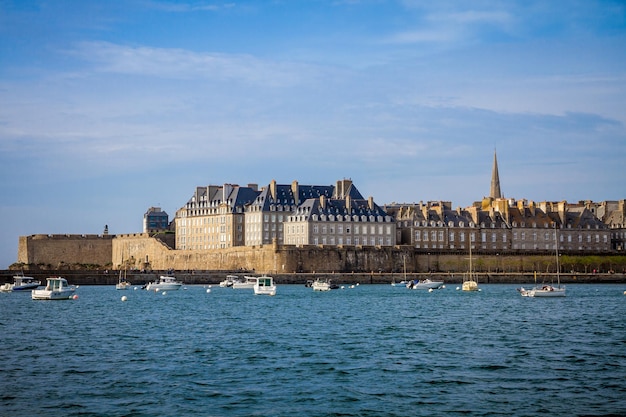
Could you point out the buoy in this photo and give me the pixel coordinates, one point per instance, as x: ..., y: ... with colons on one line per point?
x: 457, y: 288
x: 75, y: 297
x: 443, y: 286
x: 135, y: 288
x: 164, y: 292
x: 343, y: 287
x: 124, y: 298
x: 208, y: 290
x: 430, y: 290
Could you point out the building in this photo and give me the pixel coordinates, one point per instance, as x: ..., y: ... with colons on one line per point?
x: 214, y: 217
x: 266, y: 215
x: 154, y: 220
x: 346, y: 218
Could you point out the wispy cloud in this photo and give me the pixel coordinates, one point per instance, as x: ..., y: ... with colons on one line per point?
x: 185, y: 7
x: 186, y: 64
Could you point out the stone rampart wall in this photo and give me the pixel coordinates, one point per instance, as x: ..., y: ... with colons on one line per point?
x: 60, y: 251
x: 143, y: 252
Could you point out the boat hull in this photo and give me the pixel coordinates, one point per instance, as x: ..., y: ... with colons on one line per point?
x: 52, y: 295
x: 470, y: 286
x: 425, y: 285
x: 546, y: 293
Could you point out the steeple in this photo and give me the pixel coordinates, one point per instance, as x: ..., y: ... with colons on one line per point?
x: 495, y: 179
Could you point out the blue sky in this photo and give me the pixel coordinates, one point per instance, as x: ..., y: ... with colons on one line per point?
x: 108, y: 108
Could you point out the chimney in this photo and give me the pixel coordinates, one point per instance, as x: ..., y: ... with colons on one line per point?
x: 348, y: 204
x: 323, y: 201
x: 370, y: 202
x: 273, y: 190
x: 295, y: 190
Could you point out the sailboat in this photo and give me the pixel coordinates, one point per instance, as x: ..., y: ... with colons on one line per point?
x: 122, y: 284
x: 470, y: 283
x: 404, y: 282
x: 549, y: 290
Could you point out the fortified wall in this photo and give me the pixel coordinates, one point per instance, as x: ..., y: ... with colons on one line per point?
x: 63, y: 251
x: 144, y: 252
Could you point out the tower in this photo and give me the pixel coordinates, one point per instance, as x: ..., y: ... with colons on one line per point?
x: 495, y: 180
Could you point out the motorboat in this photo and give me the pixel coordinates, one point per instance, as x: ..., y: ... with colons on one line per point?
x: 265, y: 286
x: 402, y: 283
x: 21, y: 283
x: 165, y: 283
x: 229, y: 281
x: 424, y: 284
x: 245, y: 284
x: 56, y: 288
x: 321, y: 285
x: 546, y: 291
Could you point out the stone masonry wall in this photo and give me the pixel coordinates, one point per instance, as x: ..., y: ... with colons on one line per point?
x: 60, y: 251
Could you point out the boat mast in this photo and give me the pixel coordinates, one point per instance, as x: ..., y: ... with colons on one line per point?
x: 556, y: 247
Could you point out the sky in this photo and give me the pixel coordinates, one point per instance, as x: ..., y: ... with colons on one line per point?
x: 109, y: 108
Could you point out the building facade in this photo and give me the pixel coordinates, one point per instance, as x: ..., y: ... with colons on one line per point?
x: 214, y: 217
x: 344, y: 219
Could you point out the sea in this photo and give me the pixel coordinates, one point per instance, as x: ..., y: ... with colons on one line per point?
x: 362, y: 350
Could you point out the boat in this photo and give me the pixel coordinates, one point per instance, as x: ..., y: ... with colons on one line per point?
x: 245, y: 284
x: 164, y: 283
x: 21, y: 283
x: 229, y: 281
x: 404, y: 282
x: 545, y: 290
x: 265, y: 286
x: 56, y: 288
x: 469, y: 281
x: 122, y: 284
x: 424, y: 284
x: 321, y: 284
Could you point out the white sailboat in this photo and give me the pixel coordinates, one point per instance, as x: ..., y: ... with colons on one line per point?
x: 548, y: 290
x: 470, y: 284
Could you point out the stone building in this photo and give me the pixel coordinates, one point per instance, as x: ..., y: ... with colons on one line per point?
x: 346, y: 218
x: 214, y: 217
x: 265, y: 216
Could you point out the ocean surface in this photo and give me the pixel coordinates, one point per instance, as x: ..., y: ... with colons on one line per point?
x: 371, y: 350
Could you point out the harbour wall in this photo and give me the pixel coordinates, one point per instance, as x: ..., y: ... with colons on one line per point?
x: 142, y: 252
x: 214, y: 277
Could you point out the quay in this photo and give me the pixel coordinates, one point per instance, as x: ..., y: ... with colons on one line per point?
x: 214, y: 277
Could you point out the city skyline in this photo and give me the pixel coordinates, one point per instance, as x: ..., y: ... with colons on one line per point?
x: 109, y: 109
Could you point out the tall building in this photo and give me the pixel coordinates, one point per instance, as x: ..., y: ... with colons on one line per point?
x: 266, y: 215
x: 155, y: 220
x: 346, y: 218
x: 213, y: 218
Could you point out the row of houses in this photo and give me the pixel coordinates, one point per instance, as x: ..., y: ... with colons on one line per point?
x: 293, y: 214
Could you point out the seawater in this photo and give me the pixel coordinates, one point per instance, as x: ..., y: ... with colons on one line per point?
x: 371, y: 350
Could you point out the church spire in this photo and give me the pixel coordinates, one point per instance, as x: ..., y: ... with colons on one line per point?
x: 495, y: 180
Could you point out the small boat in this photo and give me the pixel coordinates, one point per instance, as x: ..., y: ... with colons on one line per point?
x: 56, y: 288
x: 470, y: 283
x: 546, y: 290
x: 424, y: 284
x: 265, y: 286
x: 245, y: 284
x: 229, y: 281
x: 21, y: 283
x: 122, y: 284
x: 404, y: 282
x: 164, y: 283
x: 321, y: 285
